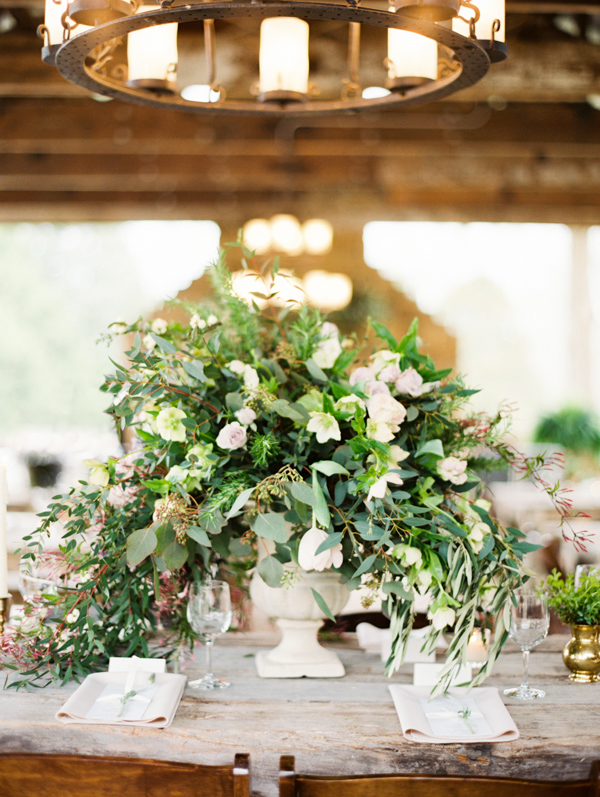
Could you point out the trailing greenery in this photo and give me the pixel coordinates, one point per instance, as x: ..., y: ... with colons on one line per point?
x: 257, y: 425
x: 574, y: 605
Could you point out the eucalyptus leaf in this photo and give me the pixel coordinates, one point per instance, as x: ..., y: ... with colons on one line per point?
x: 271, y: 526
x: 175, y: 555
x: 199, y: 535
x: 240, y: 502
x: 322, y: 605
x: 313, y: 369
x: 140, y: 544
x: 432, y: 447
x: 271, y: 571
x: 329, y: 468
x: 330, y: 542
x: 320, y: 506
x: 195, y: 368
x: 303, y: 492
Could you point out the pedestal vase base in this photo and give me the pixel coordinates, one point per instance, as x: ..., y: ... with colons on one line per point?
x: 299, y: 654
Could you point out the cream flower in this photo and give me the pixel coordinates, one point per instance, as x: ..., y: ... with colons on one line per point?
x: 232, y: 435
x: 98, y: 472
x: 349, y: 404
x: 246, y: 416
x: 197, y: 323
x: 382, y: 358
x: 378, y: 489
x: 408, y: 555
x: 169, y: 426
x: 327, y: 352
x: 477, y: 534
x: 409, y: 382
x: 453, y: 470
x: 251, y: 379
x: 309, y: 559
x: 378, y: 430
x: 159, y: 326
x: 442, y: 617
x: 148, y: 342
x: 385, y: 409
x: 212, y: 320
x: 236, y: 367
x: 324, y: 426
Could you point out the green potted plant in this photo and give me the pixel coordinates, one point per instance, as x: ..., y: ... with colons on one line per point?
x: 579, y: 607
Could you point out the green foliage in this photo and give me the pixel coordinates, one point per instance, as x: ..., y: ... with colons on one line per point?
x: 574, y: 428
x: 252, y: 426
x: 574, y: 605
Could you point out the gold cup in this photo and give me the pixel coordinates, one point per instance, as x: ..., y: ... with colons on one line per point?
x: 582, y: 654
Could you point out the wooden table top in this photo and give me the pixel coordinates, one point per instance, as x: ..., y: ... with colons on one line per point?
x: 332, y: 726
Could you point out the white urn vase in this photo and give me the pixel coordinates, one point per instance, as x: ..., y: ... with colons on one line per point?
x: 299, y: 619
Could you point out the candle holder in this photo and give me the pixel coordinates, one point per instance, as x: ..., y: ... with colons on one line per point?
x: 4, y: 609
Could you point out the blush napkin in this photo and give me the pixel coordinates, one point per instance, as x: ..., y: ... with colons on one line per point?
x: 462, y: 716
x: 156, y: 711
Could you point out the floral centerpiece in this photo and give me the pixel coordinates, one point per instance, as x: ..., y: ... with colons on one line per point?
x: 253, y: 424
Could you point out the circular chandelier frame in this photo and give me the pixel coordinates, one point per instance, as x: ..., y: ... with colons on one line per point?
x: 472, y: 60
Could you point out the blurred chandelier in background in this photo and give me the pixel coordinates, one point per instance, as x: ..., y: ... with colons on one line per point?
x: 414, y: 52
x: 327, y: 290
x: 284, y: 234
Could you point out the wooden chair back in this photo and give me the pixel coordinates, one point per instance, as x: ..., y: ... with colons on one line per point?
x: 33, y: 775
x: 293, y: 785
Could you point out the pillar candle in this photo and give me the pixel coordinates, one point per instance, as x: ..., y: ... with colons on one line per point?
x: 3, y: 536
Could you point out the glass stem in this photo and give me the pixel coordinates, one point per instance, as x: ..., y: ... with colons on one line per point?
x: 525, y: 684
x: 209, y: 642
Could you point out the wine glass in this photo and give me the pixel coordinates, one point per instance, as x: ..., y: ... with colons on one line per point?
x: 209, y: 614
x: 528, y: 627
x: 586, y: 570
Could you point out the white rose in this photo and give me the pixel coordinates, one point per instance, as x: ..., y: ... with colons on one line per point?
x: 409, y: 382
x: 246, y: 416
x: 251, y: 380
x: 232, y: 435
x: 236, y: 367
x: 308, y: 559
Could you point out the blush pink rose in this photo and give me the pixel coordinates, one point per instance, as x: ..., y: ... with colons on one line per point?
x: 409, y: 382
x: 232, y: 435
x: 362, y: 375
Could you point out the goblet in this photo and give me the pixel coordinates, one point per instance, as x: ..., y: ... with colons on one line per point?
x: 528, y: 627
x: 209, y: 614
x: 586, y: 570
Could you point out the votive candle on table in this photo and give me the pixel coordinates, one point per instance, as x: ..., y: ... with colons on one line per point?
x: 476, y: 649
x: 3, y: 534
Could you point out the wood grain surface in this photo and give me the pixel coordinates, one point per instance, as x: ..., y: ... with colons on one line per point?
x: 332, y: 727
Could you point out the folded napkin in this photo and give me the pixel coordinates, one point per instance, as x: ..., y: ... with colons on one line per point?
x: 462, y: 716
x: 98, y: 700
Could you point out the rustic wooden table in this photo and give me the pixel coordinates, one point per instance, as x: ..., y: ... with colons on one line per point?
x: 346, y: 725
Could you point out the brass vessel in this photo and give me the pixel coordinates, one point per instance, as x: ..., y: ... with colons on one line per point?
x: 582, y: 653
